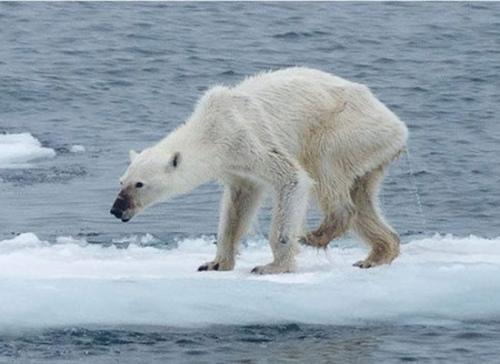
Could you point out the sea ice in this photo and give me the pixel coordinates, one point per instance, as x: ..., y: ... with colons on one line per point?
x: 70, y: 282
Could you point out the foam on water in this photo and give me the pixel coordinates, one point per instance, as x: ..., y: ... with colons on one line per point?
x: 18, y: 150
x: 72, y: 282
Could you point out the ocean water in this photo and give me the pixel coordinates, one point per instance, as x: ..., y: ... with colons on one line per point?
x: 82, y: 83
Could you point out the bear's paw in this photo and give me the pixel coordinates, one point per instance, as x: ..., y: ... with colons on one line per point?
x: 380, y: 256
x: 316, y: 241
x: 273, y: 268
x: 372, y: 263
x: 218, y: 266
x: 364, y: 264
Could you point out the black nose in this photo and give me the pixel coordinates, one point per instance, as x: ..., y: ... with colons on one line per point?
x: 121, y: 204
x: 118, y: 213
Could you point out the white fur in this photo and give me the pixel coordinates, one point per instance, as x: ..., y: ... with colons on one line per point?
x: 295, y: 130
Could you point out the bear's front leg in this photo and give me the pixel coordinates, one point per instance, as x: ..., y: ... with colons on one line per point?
x: 239, y: 204
x: 290, y: 206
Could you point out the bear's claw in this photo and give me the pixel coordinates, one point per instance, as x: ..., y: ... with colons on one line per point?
x: 369, y: 263
x: 206, y: 267
x: 363, y: 264
x: 215, y: 266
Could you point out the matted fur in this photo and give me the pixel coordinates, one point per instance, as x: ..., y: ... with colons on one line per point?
x: 296, y: 130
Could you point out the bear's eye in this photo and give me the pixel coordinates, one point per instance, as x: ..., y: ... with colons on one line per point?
x: 139, y: 185
x: 176, y: 160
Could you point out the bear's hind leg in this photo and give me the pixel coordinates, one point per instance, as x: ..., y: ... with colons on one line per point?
x: 369, y: 224
x: 338, y: 209
x: 239, y: 204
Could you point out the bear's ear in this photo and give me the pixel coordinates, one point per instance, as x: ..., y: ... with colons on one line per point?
x: 175, y: 160
x: 132, y: 154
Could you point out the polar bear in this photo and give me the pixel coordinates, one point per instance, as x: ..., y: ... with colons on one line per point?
x: 297, y: 131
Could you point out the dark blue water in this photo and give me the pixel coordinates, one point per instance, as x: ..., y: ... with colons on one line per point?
x: 287, y: 343
x: 116, y: 76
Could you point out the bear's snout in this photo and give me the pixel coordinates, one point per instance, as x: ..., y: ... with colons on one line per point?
x: 118, y: 213
x: 121, y: 204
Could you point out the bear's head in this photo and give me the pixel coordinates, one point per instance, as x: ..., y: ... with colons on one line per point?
x: 151, y: 177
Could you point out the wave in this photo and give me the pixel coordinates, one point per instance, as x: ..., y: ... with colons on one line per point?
x: 72, y: 282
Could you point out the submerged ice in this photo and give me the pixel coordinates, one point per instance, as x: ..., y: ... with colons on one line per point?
x: 72, y: 282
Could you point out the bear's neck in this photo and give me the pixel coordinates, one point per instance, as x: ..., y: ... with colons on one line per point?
x: 200, y: 153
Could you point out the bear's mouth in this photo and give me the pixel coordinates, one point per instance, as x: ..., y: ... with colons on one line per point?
x: 122, y: 208
x: 122, y: 215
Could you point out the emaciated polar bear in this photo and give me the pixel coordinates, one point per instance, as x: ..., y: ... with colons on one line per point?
x: 296, y: 130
